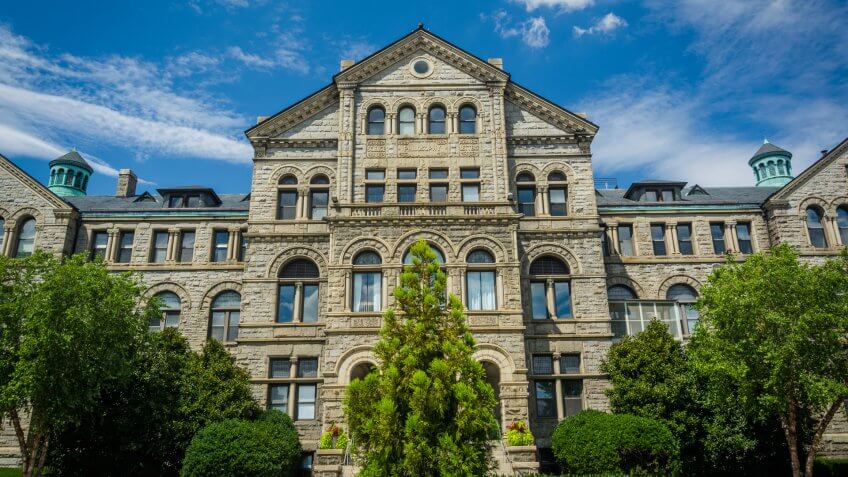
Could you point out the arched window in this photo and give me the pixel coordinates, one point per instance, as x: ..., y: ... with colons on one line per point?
x: 771, y: 169
x: 52, y: 177
x: 686, y: 297
x: 406, y: 120
x: 526, y: 187
x: 224, y: 319
x: 297, y: 298
x: 69, y: 178
x: 85, y: 182
x: 26, y: 238
x: 170, y: 307
x: 780, y: 169
x: 376, y: 121
x: 842, y: 223
x: 60, y: 177
x: 557, y: 194
x: 763, y: 171
x: 815, y: 227
x: 78, y: 180
x: 621, y: 292
x: 361, y: 370
x: 319, y: 197
x: 440, y: 258
x: 287, y: 198
x: 467, y: 119
x: 436, y: 120
x: 480, y: 281
x: 367, y: 282
x: 550, y: 289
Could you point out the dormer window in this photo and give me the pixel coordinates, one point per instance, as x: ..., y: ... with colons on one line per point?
x: 191, y: 197
x: 655, y: 191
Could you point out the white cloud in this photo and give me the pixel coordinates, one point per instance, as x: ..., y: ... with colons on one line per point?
x: 255, y: 61
x: 563, y: 5
x: 604, y: 26
x: 535, y: 33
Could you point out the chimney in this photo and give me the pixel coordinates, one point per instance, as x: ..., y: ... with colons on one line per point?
x: 345, y: 64
x: 824, y: 152
x: 259, y: 119
x: 582, y: 115
x: 127, y: 181
x: 496, y: 62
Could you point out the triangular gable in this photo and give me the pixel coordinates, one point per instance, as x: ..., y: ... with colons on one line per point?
x: 809, y: 173
x: 31, y: 183
x: 145, y: 197
x: 548, y: 111
x: 295, y: 114
x: 697, y: 190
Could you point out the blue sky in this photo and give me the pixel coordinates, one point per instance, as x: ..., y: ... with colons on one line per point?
x: 682, y: 89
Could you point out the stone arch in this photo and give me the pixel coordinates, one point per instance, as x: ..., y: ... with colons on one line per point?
x: 427, y: 103
x: 531, y: 168
x: 315, y: 170
x: 841, y: 201
x: 549, y: 248
x: 403, y: 101
x: 461, y: 101
x: 217, y: 288
x: 360, y: 244
x: 369, y: 103
x: 628, y: 282
x: 292, y: 253
x: 185, y: 298
x: 674, y: 280
x: 436, y: 238
x: 4, y: 214
x: 499, y: 356
x: 570, y: 175
x: 813, y: 201
x: 352, y: 357
x: 18, y: 216
x: 281, y: 171
x: 486, y: 243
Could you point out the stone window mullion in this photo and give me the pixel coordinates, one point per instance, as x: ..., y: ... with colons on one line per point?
x: 7, y: 240
x: 297, y: 305
x: 730, y: 236
x: 292, y: 387
x: 549, y: 298
x: 613, y: 243
x: 558, y: 387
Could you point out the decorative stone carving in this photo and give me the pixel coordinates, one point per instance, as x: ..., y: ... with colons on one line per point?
x: 423, y: 147
x: 375, y: 148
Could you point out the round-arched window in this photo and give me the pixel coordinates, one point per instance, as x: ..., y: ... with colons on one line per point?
x: 467, y: 119
x: 815, y: 227
x: 406, y: 121
x: 480, y: 279
x: 550, y: 289
x: 621, y: 292
x: 26, y: 238
x: 376, y: 121
x: 436, y: 120
x: 297, y: 294
x: 440, y: 258
x: 319, y: 197
x: 685, y: 296
x: 225, y: 315
x: 367, y: 293
x: 170, y: 307
x: 842, y: 223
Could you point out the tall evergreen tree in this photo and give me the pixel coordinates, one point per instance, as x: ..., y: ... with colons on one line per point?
x: 428, y: 409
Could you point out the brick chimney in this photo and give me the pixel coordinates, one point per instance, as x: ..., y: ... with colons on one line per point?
x: 496, y: 62
x: 345, y: 64
x: 127, y: 181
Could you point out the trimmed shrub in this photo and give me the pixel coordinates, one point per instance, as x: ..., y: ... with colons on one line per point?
x: 267, y: 447
x: 830, y: 467
x: 594, y: 442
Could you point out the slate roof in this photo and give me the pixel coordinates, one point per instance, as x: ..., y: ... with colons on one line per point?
x: 108, y: 203
x: 742, y: 196
x: 768, y: 149
x: 72, y: 157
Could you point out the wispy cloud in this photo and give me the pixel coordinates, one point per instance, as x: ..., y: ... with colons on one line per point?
x: 534, y: 32
x: 603, y: 26
x: 562, y: 5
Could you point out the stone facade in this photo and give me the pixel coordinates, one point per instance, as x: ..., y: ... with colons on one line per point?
x: 542, y: 333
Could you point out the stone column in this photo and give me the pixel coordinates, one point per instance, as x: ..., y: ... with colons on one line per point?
x: 558, y: 387
x: 549, y: 298
x: 833, y: 230
x: 729, y: 243
x: 613, y: 228
x: 733, y: 237
x: 389, y: 126
x: 348, y: 291
x: 112, y: 244
x: 7, y: 240
x: 292, y: 386
x: 671, y: 238
x: 452, y: 125
x: 543, y: 192
x: 173, y: 243
x: 298, y: 294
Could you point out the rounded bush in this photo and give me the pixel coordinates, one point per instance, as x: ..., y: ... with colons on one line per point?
x: 267, y: 447
x: 594, y: 442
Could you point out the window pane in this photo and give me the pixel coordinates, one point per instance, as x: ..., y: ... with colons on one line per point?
x: 280, y: 367
x: 562, y: 295
x: 658, y: 238
x: 366, y: 291
x: 160, y: 247
x: 154, y: 325
x: 375, y: 174
x: 743, y: 232
x: 471, y: 192
x: 187, y: 247
x: 228, y: 299
x: 217, y: 327
x: 558, y: 201
x: 467, y: 120
x: 310, y: 303
x: 221, y: 239
x: 278, y: 397
x: 285, y: 307
x: 667, y: 196
x: 543, y: 364
x: 684, y: 239
x: 407, y: 174
x: 98, y: 244
x: 406, y: 193
x: 438, y: 173
x: 232, y: 326
x: 439, y: 193
x: 481, y: 290
x: 172, y: 319
x: 194, y: 201
x: 374, y: 193
x: 572, y: 397
x: 527, y: 201
x: 376, y: 121
x: 569, y: 364
x: 125, y: 249
x: 306, y: 401
x: 545, y: 399
x: 625, y: 240
x: 175, y: 201
x: 287, y: 205
x: 717, y: 233
x: 307, y: 368
x: 437, y: 121
x: 650, y: 196
x: 406, y: 121
x: 319, y: 200
x: 469, y: 173
x: 621, y: 292
x: 538, y: 301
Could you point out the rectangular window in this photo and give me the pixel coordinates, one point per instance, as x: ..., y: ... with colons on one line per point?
x: 684, y: 239
x: 194, y: 201
x: 743, y: 233
x: 220, y: 244
x: 572, y: 396
x: 367, y: 291
x: 543, y: 364
x: 407, y: 174
x: 306, y: 401
x: 471, y: 192
x: 406, y: 193
x: 562, y: 295
x: 717, y: 233
x: 469, y: 173
x: 285, y: 304
x: 278, y: 397
x: 375, y: 174
x: 160, y: 247
x: 279, y: 368
x: 374, y: 193
x: 232, y: 326
x: 658, y: 239
x: 558, y: 199
x: 569, y: 364
x: 527, y: 201
x: 125, y: 248
x: 186, y: 246
x: 242, y: 246
x: 650, y: 196
x: 668, y: 196
x: 98, y: 245
x: 439, y: 193
x: 306, y: 465
x: 307, y: 368
x: 438, y: 173
x: 481, y: 290
x: 539, y: 301
x: 287, y: 205
x: 175, y: 201
x: 545, y: 399
x: 625, y: 240
x: 318, y: 200
x: 219, y: 320
x: 309, y: 306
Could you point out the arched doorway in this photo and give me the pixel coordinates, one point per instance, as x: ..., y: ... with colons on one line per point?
x: 493, y: 377
x: 361, y: 370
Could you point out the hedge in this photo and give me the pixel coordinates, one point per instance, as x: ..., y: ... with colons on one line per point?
x: 594, y: 442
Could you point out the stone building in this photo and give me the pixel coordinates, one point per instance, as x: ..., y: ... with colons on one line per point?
x: 423, y: 140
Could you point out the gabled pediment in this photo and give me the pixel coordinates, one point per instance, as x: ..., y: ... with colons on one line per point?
x: 37, y: 188
x: 809, y: 174
x: 551, y: 113
x: 295, y: 114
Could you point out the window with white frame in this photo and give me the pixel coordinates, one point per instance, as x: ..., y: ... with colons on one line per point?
x: 367, y: 282
x: 480, y: 281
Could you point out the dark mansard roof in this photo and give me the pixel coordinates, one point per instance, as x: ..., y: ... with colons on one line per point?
x: 147, y: 202
x: 693, y: 196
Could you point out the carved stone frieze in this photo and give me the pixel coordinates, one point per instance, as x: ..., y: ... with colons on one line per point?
x: 423, y: 147
x: 469, y: 147
x: 375, y: 148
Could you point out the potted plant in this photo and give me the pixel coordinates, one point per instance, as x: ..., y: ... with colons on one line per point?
x: 333, y: 438
x: 518, y: 434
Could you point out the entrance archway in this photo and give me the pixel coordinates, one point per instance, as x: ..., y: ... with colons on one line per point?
x: 493, y: 377
x: 361, y: 370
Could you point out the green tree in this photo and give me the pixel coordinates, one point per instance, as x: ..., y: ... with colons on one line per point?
x: 428, y: 411
x: 777, y: 327
x: 67, y: 327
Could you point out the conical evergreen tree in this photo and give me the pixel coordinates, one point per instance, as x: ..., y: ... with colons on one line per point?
x: 427, y: 410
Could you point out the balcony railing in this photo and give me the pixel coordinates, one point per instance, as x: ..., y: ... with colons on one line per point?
x: 470, y: 209
x: 631, y: 317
